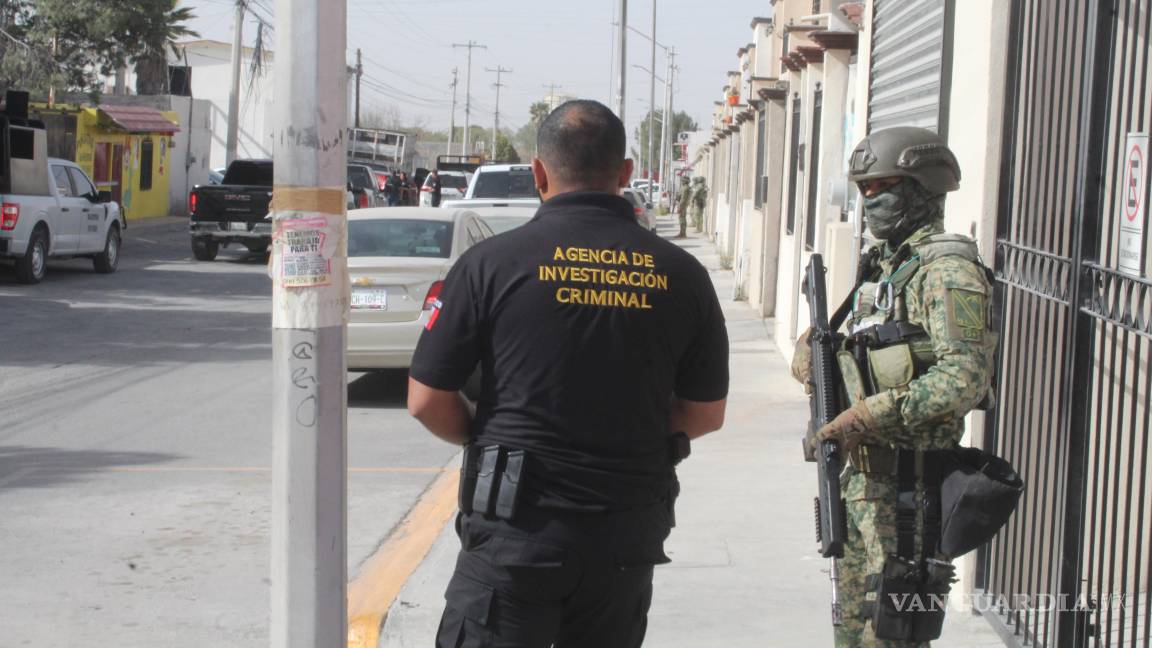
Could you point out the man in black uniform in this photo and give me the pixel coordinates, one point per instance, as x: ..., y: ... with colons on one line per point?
x: 603, y: 351
x: 434, y: 184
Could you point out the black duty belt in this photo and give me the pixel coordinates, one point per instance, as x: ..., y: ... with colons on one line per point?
x: 882, y: 335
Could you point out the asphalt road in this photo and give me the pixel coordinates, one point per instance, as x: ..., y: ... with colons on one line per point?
x: 135, y: 451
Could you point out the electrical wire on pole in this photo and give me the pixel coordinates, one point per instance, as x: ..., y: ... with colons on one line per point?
x: 500, y: 72
x: 470, y: 45
x: 452, y: 119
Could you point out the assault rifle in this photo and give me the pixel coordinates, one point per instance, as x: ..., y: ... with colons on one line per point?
x: 826, y: 403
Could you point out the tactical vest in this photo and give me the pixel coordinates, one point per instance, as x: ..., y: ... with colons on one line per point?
x: 884, y: 350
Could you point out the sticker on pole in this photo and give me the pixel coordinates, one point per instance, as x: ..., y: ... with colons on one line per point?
x: 304, y: 260
x: 1133, y: 204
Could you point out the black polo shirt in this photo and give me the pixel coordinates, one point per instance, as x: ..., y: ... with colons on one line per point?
x: 585, y: 326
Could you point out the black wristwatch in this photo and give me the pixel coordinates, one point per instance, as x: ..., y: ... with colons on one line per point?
x: 679, y: 447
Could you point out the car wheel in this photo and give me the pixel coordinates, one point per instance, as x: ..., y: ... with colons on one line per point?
x: 257, y: 248
x: 31, y: 268
x: 205, y: 249
x: 107, y: 260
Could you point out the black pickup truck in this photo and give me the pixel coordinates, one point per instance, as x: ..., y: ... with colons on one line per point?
x: 235, y: 211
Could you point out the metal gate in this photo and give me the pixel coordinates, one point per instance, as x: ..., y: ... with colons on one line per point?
x: 908, y: 44
x: 1073, y: 566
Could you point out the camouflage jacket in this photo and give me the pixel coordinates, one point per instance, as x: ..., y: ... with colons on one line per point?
x: 700, y: 196
x: 949, y: 296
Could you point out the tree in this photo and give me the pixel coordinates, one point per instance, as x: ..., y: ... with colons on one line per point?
x: 505, y: 152
x: 160, y: 26
x: 681, y: 122
x: 69, y: 44
x: 538, y: 111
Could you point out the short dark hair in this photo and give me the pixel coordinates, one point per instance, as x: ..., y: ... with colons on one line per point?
x: 582, y: 141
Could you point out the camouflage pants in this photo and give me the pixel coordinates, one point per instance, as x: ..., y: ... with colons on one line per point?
x: 682, y: 212
x: 871, y: 538
x: 698, y: 217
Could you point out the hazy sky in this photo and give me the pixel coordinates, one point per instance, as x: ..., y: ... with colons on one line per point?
x: 408, y: 53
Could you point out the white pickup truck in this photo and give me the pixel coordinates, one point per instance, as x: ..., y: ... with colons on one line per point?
x: 50, y: 208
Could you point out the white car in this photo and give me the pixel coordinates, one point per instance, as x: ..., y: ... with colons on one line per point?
x: 397, y: 260
x: 503, y: 181
x: 645, y: 216
x: 453, y: 185
x: 502, y: 219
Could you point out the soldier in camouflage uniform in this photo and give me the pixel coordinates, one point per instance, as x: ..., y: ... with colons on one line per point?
x: 918, y: 390
x: 699, y: 199
x: 682, y: 201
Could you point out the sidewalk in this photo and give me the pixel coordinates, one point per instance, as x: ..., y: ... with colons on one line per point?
x: 745, y: 572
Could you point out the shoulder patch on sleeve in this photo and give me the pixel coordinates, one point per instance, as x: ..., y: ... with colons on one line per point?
x: 965, y: 314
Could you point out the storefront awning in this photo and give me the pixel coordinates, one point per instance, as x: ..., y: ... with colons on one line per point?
x: 138, y: 119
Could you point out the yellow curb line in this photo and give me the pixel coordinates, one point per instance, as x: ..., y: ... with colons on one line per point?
x: 371, y: 595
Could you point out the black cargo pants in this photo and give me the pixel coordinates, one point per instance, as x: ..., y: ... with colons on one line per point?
x: 569, y: 580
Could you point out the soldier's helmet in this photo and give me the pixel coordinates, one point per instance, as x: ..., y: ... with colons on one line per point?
x: 698, y: 180
x: 906, y: 152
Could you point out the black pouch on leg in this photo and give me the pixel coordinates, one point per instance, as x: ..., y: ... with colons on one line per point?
x: 897, y: 587
x: 508, y: 497
x: 933, y: 603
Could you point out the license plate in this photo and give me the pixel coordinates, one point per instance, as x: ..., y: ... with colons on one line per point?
x: 370, y: 299
x: 238, y: 227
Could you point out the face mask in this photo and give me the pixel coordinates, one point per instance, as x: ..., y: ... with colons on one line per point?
x: 894, y: 214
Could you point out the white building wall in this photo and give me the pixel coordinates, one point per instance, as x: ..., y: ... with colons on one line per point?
x: 211, y: 65
x: 190, y: 166
x: 975, y: 125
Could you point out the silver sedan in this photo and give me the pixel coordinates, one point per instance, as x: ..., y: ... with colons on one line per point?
x: 397, y: 260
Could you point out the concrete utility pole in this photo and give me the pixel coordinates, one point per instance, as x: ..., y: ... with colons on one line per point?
x: 234, y: 94
x: 496, y: 122
x: 622, y: 71
x: 652, y: 106
x: 471, y: 45
x: 552, y: 103
x: 452, y: 119
x: 666, y: 123
x: 310, y: 301
x: 359, y: 74
x: 671, y: 130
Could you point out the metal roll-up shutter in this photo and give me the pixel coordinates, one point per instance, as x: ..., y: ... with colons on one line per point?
x: 907, y: 56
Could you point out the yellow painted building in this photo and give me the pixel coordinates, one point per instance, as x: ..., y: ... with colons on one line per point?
x: 126, y: 150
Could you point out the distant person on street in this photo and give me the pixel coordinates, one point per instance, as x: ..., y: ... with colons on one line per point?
x: 699, y: 201
x: 682, y: 201
x: 602, y: 352
x: 392, y: 189
x: 434, y: 184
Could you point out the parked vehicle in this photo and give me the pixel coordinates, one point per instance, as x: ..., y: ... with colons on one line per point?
x: 235, y: 211
x: 363, y: 178
x: 502, y: 219
x: 503, y: 181
x: 645, y: 216
x: 397, y: 260
x: 453, y: 185
x: 49, y: 208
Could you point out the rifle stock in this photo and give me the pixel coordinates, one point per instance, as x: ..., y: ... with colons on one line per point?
x: 825, y: 403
